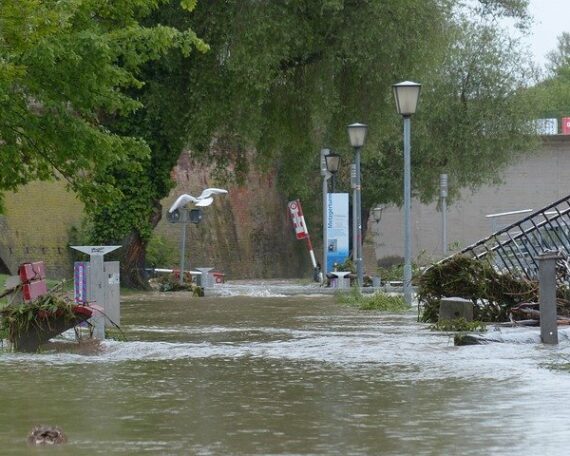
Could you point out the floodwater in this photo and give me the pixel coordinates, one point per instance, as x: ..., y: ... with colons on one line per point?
x: 289, y: 376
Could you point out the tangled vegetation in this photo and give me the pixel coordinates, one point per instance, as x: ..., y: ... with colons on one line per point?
x: 19, y: 318
x: 172, y: 283
x: 493, y: 294
x: 377, y: 301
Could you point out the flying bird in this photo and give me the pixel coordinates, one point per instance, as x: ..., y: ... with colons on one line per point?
x: 205, y: 199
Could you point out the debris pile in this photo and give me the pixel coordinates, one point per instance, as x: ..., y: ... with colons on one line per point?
x: 497, y: 297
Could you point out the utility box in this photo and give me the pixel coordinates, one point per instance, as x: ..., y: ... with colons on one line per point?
x: 85, y: 287
x: 97, y: 283
x: 112, y: 292
x: 566, y: 125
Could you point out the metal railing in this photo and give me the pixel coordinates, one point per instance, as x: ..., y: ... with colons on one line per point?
x: 515, y: 248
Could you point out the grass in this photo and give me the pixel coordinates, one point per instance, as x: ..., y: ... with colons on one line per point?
x: 378, y: 301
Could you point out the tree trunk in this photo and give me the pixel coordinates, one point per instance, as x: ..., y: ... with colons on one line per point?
x: 133, y: 257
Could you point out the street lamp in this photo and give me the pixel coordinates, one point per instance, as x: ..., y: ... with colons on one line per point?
x: 443, y: 199
x: 184, y: 216
x: 377, y: 213
x: 326, y: 176
x: 406, y: 95
x: 332, y: 160
x: 357, y: 135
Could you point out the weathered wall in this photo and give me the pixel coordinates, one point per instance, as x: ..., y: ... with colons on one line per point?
x: 535, y: 181
x: 245, y: 234
x: 36, y: 226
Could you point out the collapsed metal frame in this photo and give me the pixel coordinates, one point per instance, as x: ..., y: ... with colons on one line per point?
x: 515, y: 248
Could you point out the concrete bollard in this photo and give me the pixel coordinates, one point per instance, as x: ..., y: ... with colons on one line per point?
x: 455, y: 308
x: 340, y: 279
x: 547, y: 297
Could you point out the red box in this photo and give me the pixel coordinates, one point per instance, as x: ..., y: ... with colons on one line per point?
x: 566, y: 125
x: 35, y: 289
x: 32, y: 271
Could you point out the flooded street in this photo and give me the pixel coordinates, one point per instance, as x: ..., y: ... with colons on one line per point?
x: 291, y: 376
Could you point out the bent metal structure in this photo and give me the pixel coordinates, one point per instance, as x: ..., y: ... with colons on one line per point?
x: 515, y: 248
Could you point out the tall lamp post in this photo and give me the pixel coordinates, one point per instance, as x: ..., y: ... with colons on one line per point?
x: 357, y: 135
x: 443, y: 198
x: 406, y: 95
x: 330, y: 163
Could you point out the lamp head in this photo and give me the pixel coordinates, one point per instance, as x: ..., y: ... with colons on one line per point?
x: 406, y: 95
x: 332, y: 160
x: 357, y: 134
x: 377, y: 213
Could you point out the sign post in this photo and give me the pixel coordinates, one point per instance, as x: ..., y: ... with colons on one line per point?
x: 337, y: 229
x: 301, y: 231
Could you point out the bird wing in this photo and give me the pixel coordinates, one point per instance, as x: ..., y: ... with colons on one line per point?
x: 181, y: 201
x: 205, y: 202
x: 207, y: 193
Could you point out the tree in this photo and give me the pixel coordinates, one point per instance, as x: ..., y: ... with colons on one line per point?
x: 551, y: 96
x: 285, y: 78
x: 559, y: 58
x: 281, y: 79
x: 65, y: 71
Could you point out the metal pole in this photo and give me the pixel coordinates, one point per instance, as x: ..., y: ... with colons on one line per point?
x: 407, y: 214
x: 354, y: 236
x: 443, y: 195
x: 547, y: 297
x: 358, y: 193
x: 183, y: 248
x: 324, y: 173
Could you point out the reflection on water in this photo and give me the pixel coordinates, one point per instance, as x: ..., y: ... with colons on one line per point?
x: 286, y: 375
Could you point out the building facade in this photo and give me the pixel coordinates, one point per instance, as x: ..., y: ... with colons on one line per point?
x: 533, y: 182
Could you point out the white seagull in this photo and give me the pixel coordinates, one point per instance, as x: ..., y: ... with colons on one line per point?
x: 205, y: 198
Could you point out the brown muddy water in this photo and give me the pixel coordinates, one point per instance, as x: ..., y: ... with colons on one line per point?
x: 241, y: 375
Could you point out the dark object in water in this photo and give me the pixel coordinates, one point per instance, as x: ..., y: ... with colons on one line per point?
x: 46, y: 435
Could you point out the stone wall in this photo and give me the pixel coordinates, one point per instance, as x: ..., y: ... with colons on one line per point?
x: 244, y: 234
x: 36, y: 226
x: 247, y: 233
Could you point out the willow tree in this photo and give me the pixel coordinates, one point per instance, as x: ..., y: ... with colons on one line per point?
x: 284, y: 78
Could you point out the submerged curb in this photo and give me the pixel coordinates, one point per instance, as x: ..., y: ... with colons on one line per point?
x: 268, y: 289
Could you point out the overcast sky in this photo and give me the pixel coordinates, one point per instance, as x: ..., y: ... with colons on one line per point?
x: 551, y: 18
